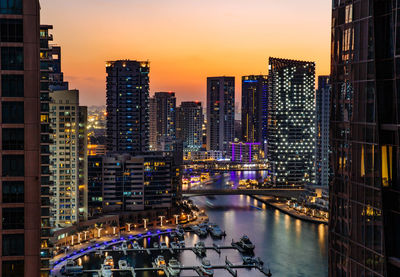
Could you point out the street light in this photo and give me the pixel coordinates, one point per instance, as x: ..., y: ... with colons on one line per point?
x: 98, y: 231
x: 85, y: 232
x: 176, y: 219
x: 161, y: 220
x: 129, y: 226
x: 145, y: 223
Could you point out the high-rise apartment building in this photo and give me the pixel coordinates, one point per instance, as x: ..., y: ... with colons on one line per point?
x: 127, y: 106
x: 254, y: 108
x: 165, y: 120
x: 153, y: 124
x: 364, y: 194
x: 68, y: 154
x: 56, y: 76
x: 20, y: 203
x: 220, y: 113
x: 189, y: 124
x: 95, y: 185
x: 291, y: 122
x: 322, y: 132
x: 45, y: 141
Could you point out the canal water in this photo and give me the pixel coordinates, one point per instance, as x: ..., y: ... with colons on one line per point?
x: 288, y: 246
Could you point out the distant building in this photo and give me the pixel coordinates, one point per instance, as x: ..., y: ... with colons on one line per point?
x: 68, y: 154
x: 56, y: 76
x: 189, y: 123
x: 153, y: 124
x: 83, y: 163
x: 203, y: 155
x: 245, y: 152
x: 96, y: 150
x: 322, y: 132
x: 165, y: 119
x: 127, y: 106
x: 220, y: 113
x: 254, y: 108
x: 291, y: 121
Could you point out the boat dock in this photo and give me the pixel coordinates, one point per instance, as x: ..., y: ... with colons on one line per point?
x: 229, y: 266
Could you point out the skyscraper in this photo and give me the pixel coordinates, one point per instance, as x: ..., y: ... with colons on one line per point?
x: 153, y: 124
x: 322, y: 132
x: 291, y: 121
x: 220, y: 112
x: 364, y: 194
x: 20, y: 139
x: 127, y: 106
x: 69, y: 168
x: 254, y: 108
x: 165, y: 119
x: 189, y: 121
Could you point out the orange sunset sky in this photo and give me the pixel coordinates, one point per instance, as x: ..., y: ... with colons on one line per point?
x: 185, y: 40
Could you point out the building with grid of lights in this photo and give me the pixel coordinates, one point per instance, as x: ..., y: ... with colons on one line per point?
x: 291, y: 122
x: 127, y: 106
x: 189, y: 123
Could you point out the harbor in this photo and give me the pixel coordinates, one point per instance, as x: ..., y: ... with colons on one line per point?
x: 161, y: 240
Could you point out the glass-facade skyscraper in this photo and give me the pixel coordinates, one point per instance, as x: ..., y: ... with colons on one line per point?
x: 364, y: 228
x: 127, y: 106
x: 254, y: 108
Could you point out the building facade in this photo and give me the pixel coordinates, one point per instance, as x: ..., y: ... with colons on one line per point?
x: 220, y: 113
x: 163, y: 111
x: 254, y: 108
x: 245, y: 152
x: 322, y: 132
x: 364, y: 194
x: 127, y: 106
x: 95, y: 185
x: 68, y: 152
x: 20, y: 139
x: 189, y: 124
x: 137, y: 183
x: 153, y: 124
x: 291, y: 122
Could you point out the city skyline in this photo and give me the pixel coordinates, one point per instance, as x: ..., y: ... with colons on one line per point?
x: 183, y: 55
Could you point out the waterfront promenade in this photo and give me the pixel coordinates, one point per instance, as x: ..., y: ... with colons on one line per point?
x: 292, y: 212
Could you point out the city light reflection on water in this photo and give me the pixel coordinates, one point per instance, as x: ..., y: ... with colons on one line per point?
x: 290, y: 247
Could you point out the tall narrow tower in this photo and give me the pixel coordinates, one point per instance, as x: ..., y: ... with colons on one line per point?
x: 220, y: 112
x: 127, y: 106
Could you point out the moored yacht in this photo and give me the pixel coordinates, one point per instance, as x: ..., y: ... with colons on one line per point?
x: 206, y: 268
x: 106, y: 270
x: 245, y: 243
x: 174, y: 267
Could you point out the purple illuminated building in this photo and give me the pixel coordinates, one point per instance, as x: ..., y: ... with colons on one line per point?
x: 245, y: 152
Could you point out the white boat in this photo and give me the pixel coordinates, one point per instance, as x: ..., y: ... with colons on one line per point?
x: 135, y: 245
x: 206, y: 268
x: 174, y: 245
x: 246, y: 243
x: 71, y: 268
x: 109, y: 261
x: 174, y: 267
x: 163, y: 245
x: 124, y: 247
x: 123, y: 264
x: 106, y: 270
x: 160, y: 261
x: 216, y: 232
x: 182, y: 244
x: 200, y: 248
x: 155, y: 245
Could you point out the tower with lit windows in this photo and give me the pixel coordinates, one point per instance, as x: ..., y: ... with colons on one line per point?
x: 291, y: 122
x: 127, y: 106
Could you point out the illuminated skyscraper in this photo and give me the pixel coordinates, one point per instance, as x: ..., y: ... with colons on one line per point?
x: 254, y: 108
x: 165, y: 120
x: 291, y: 121
x: 189, y: 121
x: 127, y: 106
x: 220, y: 113
x: 364, y: 194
